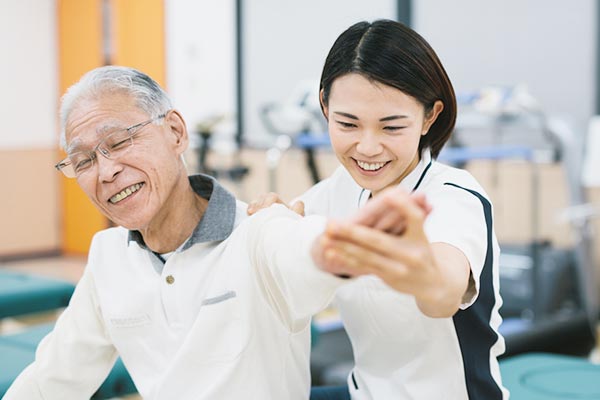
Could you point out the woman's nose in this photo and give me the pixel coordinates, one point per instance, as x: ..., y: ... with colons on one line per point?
x: 369, y: 145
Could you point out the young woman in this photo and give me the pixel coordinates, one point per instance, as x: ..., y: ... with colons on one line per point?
x: 422, y: 313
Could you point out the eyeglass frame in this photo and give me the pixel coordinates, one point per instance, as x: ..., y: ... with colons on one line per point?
x: 136, y: 128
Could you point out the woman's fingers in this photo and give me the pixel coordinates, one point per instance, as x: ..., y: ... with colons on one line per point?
x: 403, y: 273
x: 422, y: 202
x: 373, y: 240
x: 298, y: 207
x: 384, y: 234
x: 404, y: 267
x: 264, y: 201
x: 356, y: 260
x: 392, y: 211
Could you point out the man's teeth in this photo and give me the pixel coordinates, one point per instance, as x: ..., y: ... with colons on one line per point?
x: 125, y: 193
x: 370, y: 166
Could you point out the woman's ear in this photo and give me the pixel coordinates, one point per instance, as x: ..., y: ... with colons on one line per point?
x: 324, y: 108
x: 432, y: 115
x: 178, y: 129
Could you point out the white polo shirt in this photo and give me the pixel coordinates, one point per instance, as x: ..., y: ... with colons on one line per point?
x: 226, y: 317
x: 399, y: 352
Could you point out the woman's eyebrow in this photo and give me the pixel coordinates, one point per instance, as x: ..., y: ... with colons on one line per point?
x: 343, y: 114
x: 393, y: 117
x: 384, y: 119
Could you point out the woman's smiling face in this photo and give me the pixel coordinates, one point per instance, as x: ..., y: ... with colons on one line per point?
x: 375, y: 130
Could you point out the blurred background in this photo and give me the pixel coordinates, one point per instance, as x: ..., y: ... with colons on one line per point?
x: 245, y: 76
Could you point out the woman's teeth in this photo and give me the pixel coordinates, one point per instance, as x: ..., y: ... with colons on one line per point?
x: 125, y: 193
x: 370, y: 166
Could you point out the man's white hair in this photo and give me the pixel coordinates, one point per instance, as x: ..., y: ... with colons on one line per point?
x: 148, y: 94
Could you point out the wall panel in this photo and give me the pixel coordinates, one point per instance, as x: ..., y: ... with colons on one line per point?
x: 80, y: 50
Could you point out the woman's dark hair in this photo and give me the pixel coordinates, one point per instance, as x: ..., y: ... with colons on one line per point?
x: 391, y: 53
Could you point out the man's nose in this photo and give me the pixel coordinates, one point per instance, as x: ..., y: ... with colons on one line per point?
x: 108, y: 168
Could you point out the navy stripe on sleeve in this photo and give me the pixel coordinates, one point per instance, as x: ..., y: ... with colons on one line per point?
x: 475, y: 335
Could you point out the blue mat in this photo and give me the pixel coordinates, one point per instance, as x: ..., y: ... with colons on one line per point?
x: 18, y: 350
x: 541, y: 376
x: 24, y: 293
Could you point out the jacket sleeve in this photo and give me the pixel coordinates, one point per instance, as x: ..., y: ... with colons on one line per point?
x: 280, y: 242
x: 73, y: 360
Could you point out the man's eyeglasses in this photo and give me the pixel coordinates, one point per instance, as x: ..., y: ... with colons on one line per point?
x: 112, y: 146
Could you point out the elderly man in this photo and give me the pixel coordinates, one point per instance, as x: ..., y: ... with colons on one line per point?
x: 195, y: 309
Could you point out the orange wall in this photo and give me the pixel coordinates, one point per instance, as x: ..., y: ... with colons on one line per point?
x: 137, y: 40
x: 80, y: 49
x: 139, y: 36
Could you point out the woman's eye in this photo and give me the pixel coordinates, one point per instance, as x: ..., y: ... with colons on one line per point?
x: 346, y: 124
x: 392, y: 128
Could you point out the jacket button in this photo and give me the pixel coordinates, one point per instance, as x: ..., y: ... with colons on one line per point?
x: 170, y: 279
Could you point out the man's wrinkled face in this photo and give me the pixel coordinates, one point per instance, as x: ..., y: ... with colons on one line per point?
x: 130, y: 189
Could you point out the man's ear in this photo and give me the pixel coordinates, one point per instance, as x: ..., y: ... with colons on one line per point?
x: 324, y: 108
x: 178, y: 129
x: 430, y: 118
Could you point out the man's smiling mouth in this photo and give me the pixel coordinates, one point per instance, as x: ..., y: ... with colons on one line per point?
x: 125, y: 193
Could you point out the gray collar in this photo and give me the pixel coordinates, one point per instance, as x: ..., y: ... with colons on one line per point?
x: 219, y: 217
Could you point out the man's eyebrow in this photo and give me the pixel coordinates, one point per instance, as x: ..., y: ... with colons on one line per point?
x: 77, y: 145
x: 74, y: 146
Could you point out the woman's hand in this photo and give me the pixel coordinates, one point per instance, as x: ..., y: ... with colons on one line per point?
x: 386, y: 238
x: 268, y: 199
x: 386, y: 213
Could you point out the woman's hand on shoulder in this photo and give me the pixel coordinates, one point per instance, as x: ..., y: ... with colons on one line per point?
x: 268, y: 199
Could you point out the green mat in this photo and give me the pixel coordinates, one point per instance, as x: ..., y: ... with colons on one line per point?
x: 540, y: 376
x: 24, y: 293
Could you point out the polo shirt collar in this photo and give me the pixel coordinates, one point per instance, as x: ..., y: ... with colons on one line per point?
x: 412, y: 181
x: 219, y: 217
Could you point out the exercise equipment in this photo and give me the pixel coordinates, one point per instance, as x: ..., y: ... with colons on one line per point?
x: 296, y: 121
x: 214, y: 135
x: 549, y: 293
x: 206, y: 131
x: 18, y: 351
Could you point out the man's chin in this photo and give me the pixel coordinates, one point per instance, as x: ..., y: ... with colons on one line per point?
x: 127, y: 224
